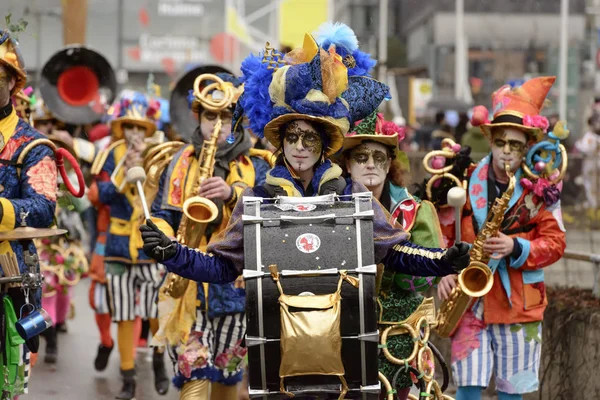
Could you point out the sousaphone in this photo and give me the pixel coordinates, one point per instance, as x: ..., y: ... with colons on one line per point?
x: 78, y: 85
x: 183, y: 119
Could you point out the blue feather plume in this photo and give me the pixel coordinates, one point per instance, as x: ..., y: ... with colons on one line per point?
x: 256, y: 101
x: 364, y: 64
x: 339, y: 34
x: 346, y: 43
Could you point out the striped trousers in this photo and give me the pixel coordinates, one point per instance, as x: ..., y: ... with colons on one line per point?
x: 126, y: 282
x: 512, y: 352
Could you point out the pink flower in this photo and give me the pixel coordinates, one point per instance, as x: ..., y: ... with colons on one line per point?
x: 239, y: 351
x: 526, y: 183
x: 483, y: 172
x: 42, y: 178
x: 466, y: 338
x: 222, y: 360
x: 481, y: 202
x: 536, y: 121
x: 476, y: 189
x: 540, y: 186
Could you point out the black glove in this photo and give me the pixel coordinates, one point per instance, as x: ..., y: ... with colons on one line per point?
x: 458, y: 256
x: 156, y: 244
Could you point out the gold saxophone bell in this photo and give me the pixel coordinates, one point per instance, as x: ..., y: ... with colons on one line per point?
x: 476, y: 280
x: 200, y: 209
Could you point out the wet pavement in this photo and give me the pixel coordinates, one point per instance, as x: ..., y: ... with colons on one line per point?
x: 73, y: 377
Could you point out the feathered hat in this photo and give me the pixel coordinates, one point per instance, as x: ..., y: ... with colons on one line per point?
x: 137, y: 109
x: 10, y: 57
x: 309, y: 83
x: 374, y: 128
x: 518, y: 108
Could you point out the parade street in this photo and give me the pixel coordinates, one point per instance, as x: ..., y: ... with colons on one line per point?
x: 73, y: 377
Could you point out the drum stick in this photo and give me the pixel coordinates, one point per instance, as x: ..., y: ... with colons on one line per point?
x: 137, y: 175
x: 457, y: 197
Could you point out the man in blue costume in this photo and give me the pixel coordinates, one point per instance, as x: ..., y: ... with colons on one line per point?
x: 28, y: 190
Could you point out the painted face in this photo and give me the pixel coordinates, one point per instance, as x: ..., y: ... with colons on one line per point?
x: 7, y: 82
x: 208, y: 120
x: 369, y: 164
x: 134, y: 136
x: 302, y: 145
x: 509, y: 146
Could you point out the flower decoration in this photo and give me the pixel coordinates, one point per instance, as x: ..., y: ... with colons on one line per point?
x: 536, y: 121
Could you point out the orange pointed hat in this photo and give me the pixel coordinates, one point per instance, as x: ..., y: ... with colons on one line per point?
x: 518, y: 108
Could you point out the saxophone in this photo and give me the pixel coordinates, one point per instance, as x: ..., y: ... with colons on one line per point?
x: 477, y: 279
x: 198, y: 211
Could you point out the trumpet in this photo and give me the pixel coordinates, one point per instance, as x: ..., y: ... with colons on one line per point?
x: 199, y: 211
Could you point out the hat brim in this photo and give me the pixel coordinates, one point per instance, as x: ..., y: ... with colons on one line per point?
x: 117, y: 126
x: 20, y: 77
x: 532, y: 133
x: 351, y: 142
x: 334, y: 130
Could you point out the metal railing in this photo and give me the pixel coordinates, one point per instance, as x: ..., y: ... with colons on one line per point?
x: 589, y: 257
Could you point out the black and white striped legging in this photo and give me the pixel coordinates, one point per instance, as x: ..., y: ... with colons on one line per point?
x: 126, y: 283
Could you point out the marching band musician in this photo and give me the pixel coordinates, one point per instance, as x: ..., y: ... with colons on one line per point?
x: 27, y: 192
x: 127, y: 267
x: 303, y: 104
x: 215, y: 328
x: 371, y: 158
x: 502, y: 332
x: 98, y: 292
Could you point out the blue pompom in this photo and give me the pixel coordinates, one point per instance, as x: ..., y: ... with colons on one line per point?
x: 338, y: 34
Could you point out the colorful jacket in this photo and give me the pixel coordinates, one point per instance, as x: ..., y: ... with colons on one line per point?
x: 519, y: 293
x: 27, y: 192
x: 419, y: 217
x: 124, y: 241
x: 224, y: 261
x: 177, y: 180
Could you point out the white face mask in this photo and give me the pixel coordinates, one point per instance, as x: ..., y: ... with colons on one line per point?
x: 509, y: 146
x: 208, y: 120
x: 369, y: 164
x: 302, y: 145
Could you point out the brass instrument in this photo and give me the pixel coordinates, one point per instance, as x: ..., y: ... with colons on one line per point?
x: 199, y: 211
x: 477, y: 279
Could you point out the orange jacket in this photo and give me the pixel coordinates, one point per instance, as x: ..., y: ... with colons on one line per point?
x: 540, y: 233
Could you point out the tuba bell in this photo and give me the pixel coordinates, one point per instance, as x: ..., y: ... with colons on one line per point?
x: 78, y: 85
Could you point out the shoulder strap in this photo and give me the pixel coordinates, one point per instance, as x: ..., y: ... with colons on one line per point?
x: 334, y: 186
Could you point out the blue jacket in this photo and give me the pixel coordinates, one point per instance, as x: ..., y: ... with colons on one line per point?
x: 224, y: 298
x: 28, y: 197
x: 124, y: 241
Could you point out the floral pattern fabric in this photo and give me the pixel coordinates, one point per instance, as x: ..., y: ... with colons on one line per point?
x: 213, y: 350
